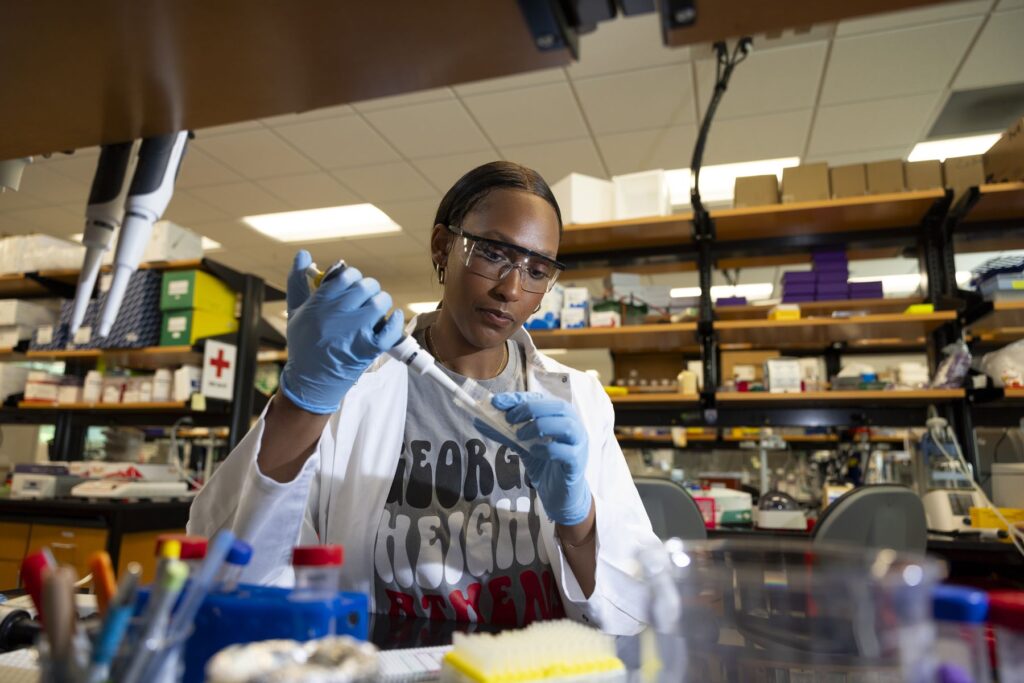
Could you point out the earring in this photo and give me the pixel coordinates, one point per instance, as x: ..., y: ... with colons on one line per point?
x: 440, y: 274
x: 536, y: 310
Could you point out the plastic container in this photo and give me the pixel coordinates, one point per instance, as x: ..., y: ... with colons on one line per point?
x: 584, y: 199
x: 193, y: 549
x: 1006, y: 614
x: 638, y: 195
x: 961, y: 645
x: 234, y: 564
x: 776, y: 611
x: 317, y: 571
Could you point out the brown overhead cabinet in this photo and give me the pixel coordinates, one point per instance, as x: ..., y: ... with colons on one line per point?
x: 807, y: 183
x: 755, y: 190
x: 885, y: 177
x: 848, y: 181
x: 923, y: 175
x: 963, y: 172
x: 1004, y: 161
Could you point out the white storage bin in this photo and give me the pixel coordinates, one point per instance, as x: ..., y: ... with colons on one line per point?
x: 17, y: 312
x: 29, y: 253
x: 638, y: 195
x: 585, y: 199
x: 171, y: 242
x: 1008, y: 484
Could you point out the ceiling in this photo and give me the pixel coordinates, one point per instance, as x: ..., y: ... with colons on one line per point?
x: 864, y: 89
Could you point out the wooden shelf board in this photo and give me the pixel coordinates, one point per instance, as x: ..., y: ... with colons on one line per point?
x: 113, y: 407
x: 872, y: 212
x: 146, y: 358
x: 998, y: 202
x: 760, y: 312
x: 885, y: 328
x: 915, y: 396
x: 1013, y: 394
x: 1005, y: 315
x: 631, y: 233
x: 17, y: 285
x: 667, y: 397
x: 668, y: 337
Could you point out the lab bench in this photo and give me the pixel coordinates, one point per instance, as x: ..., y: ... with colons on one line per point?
x: 75, y: 528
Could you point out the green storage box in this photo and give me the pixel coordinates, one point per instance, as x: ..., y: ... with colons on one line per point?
x: 195, y: 289
x: 184, y: 328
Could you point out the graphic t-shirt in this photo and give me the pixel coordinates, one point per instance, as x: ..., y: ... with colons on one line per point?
x: 459, y: 538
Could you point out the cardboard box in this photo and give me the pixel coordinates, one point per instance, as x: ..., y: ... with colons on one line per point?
x: 805, y: 183
x: 923, y: 175
x: 755, y: 190
x: 848, y: 181
x: 886, y: 176
x: 962, y: 173
x: 583, y: 199
x: 730, y: 359
x: 196, y: 289
x: 184, y: 328
x: 1004, y: 161
x: 23, y: 313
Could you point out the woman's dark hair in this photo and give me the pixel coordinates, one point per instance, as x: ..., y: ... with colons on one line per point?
x: 474, y: 187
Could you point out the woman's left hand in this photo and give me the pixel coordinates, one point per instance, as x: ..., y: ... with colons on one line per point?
x: 556, y: 459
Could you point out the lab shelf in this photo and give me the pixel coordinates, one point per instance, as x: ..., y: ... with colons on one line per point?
x: 1013, y: 394
x: 1005, y: 315
x: 665, y: 399
x: 153, y: 357
x: 159, y: 406
x: 882, y: 328
x: 632, y: 338
x: 996, y: 202
x: 811, y: 308
x: 765, y: 398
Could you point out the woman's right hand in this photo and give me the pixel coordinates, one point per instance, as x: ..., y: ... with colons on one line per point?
x: 331, y: 337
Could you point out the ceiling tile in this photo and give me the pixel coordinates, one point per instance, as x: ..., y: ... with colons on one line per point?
x: 997, y: 55
x: 233, y: 235
x: 340, y: 142
x: 770, y: 136
x: 896, y: 63
x: 51, y: 220
x: 311, y: 115
x: 186, y: 209
x: 861, y: 157
x: 199, y: 168
x: 871, y: 125
x: 11, y: 225
x: 638, y: 100
x: 505, y: 83
x: 767, y: 81
x: 645, y: 150
x: 430, y: 129
x: 42, y: 182
x: 404, y: 100
x: 555, y: 160
x: 392, y: 246
x: 228, y: 128
x: 240, y: 199
x: 416, y: 217
x: 78, y: 167
x: 412, y: 275
x: 442, y: 172
x: 386, y: 182
x: 12, y: 201
x: 309, y: 190
x: 624, y: 44
x: 528, y: 115
x: 1009, y: 4
x: 256, y: 154
x: 914, y: 17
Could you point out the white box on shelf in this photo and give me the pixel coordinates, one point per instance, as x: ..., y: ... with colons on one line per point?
x: 10, y: 335
x: 585, y: 199
x: 12, y: 379
x: 605, y: 319
x: 30, y: 253
x: 17, y: 312
x: 69, y: 393
x: 573, y: 318
x: 41, y: 386
x: 638, y: 195
x: 186, y: 382
x: 172, y: 242
x: 576, y: 297
x: 782, y: 375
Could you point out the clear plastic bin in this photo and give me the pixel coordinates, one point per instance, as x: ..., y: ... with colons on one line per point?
x: 774, y: 611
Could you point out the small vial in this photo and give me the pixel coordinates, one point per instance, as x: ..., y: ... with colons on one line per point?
x: 236, y: 561
x: 193, y: 549
x: 317, y: 571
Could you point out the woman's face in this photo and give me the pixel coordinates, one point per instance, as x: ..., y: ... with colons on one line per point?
x: 487, y: 312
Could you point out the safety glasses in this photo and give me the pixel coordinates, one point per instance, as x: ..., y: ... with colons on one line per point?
x: 494, y: 260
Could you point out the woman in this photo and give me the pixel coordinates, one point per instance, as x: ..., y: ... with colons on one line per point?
x: 440, y: 517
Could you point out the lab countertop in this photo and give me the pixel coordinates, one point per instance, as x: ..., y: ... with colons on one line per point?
x: 126, y: 516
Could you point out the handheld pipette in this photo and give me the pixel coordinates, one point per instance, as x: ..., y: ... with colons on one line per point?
x: 102, y: 219
x: 471, y: 396
x: 150, y: 193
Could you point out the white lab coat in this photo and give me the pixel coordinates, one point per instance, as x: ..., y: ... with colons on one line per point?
x: 339, y: 495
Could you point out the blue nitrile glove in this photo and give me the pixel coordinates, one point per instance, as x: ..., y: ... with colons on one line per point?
x: 557, y: 457
x: 331, y: 337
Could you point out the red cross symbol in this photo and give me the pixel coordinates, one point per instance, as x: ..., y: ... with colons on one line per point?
x: 220, y: 363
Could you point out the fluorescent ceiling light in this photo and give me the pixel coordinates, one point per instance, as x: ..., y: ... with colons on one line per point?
x: 210, y: 245
x: 755, y: 291
x: 77, y: 237
x: 963, y: 277
x: 717, y: 182
x: 332, y: 222
x: 422, y: 306
x: 952, y: 147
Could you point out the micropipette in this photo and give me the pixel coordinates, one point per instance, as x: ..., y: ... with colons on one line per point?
x: 471, y: 396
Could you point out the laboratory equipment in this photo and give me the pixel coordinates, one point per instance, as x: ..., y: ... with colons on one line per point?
x: 317, y: 571
x: 102, y: 219
x: 122, y: 488
x: 150, y: 192
x: 338, y: 658
x: 946, y: 487
x: 778, y: 510
x: 777, y: 611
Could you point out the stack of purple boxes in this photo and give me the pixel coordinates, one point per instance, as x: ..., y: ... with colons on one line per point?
x: 828, y: 280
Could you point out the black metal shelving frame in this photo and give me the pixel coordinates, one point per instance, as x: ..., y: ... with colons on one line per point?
x: 71, y: 425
